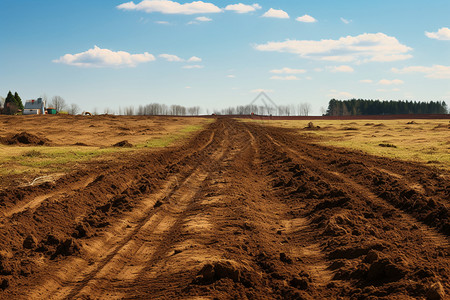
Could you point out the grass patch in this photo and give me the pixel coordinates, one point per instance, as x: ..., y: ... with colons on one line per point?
x: 423, y: 141
x: 172, y: 138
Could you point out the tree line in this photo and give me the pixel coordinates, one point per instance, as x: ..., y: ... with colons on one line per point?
x: 354, y: 107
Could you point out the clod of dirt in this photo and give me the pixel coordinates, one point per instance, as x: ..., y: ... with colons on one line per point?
x: 213, y: 272
x: 411, y: 123
x: 29, y: 242
x: 387, y: 145
x: 384, y: 269
x: 80, y: 144
x: 4, y: 285
x: 66, y: 248
x: 123, y: 144
x: 299, y: 283
x: 24, y: 138
x: 311, y: 126
x: 436, y: 292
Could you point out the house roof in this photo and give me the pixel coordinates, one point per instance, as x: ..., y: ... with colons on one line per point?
x: 34, y: 104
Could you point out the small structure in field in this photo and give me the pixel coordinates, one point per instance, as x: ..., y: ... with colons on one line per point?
x: 34, y: 107
x: 51, y: 111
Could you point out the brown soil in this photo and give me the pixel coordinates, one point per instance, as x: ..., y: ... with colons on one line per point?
x: 24, y: 138
x: 241, y: 211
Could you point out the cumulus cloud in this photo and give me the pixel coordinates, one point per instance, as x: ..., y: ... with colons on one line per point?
x: 203, y: 19
x: 194, y: 59
x: 390, y: 82
x: 290, y: 77
x: 306, y: 19
x: 98, y: 57
x: 162, y: 22
x: 343, y: 69
x: 345, y: 21
x: 276, y: 13
x: 193, y: 67
x: 171, y: 57
x: 442, y: 34
x: 435, y: 71
x: 171, y: 7
x: 362, y: 48
x: 242, y: 8
x: 366, y: 80
x: 288, y: 71
x: 339, y: 94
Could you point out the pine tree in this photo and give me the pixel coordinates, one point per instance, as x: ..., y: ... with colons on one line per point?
x: 10, y: 106
x: 18, y: 101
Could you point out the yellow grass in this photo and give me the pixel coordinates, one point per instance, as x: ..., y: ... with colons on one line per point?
x: 427, y: 141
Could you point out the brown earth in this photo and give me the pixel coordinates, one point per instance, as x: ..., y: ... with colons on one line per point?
x: 240, y: 211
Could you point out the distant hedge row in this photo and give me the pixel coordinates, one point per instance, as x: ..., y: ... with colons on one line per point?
x: 354, y: 107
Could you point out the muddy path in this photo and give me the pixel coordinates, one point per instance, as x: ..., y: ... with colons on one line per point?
x: 241, y: 211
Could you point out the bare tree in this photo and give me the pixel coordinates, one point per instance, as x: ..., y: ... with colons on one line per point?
x: 74, y: 109
x: 2, y: 102
x: 304, y: 109
x: 58, y: 103
x: 323, y: 111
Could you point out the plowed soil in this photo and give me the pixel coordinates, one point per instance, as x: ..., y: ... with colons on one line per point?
x: 240, y: 211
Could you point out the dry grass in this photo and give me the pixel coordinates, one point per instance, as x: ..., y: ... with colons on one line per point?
x: 426, y: 141
x: 96, y: 134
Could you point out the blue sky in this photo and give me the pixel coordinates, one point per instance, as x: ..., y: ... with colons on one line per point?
x: 216, y: 54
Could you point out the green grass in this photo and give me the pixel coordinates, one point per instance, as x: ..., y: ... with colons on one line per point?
x: 172, y: 138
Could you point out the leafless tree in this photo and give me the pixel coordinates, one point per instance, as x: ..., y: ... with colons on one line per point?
x: 2, y: 102
x: 58, y: 103
x: 74, y: 109
x: 304, y: 109
x: 323, y: 111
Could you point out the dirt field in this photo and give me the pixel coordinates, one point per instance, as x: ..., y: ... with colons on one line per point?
x: 238, y: 211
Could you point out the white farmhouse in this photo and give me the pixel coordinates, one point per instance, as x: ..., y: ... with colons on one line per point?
x: 34, y: 107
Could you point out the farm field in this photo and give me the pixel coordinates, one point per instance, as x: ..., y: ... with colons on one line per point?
x: 198, y: 208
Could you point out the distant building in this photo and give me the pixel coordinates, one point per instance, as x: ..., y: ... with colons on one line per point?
x: 34, y: 107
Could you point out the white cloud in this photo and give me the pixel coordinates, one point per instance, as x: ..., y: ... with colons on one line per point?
x: 442, y: 34
x: 388, y: 90
x: 343, y: 69
x: 203, y: 19
x: 98, y: 57
x: 276, y: 13
x: 345, y: 21
x: 193, y: 67
x: 242, y: 8
x: 288, y: 71
x: 339, y: 94
x: 231, y: 76
x: 290, y: 77
x: 390, y: 82
x: 187, y: 87
x: 362, y: 48
x: 194, y: 59
x: 162, y: 22
x: 261, y: 90
x: 436, y: 71
x: 171, y: 57
x: 171, y: 7
x: 366, y: 81
x: 306, y: 19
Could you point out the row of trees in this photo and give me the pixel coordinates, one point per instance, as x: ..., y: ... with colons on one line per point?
x: 354, y: 107
x: 303, y: 109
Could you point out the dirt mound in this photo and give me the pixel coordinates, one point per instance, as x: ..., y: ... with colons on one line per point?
x: 123, y: 144
x: 25, y: 138
x: 311, y: 126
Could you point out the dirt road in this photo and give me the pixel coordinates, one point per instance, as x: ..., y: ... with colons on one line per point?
x: 241, y: 211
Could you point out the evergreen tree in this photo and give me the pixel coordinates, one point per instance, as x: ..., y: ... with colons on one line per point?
x: 10, y: 106
x: 18, y: 101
